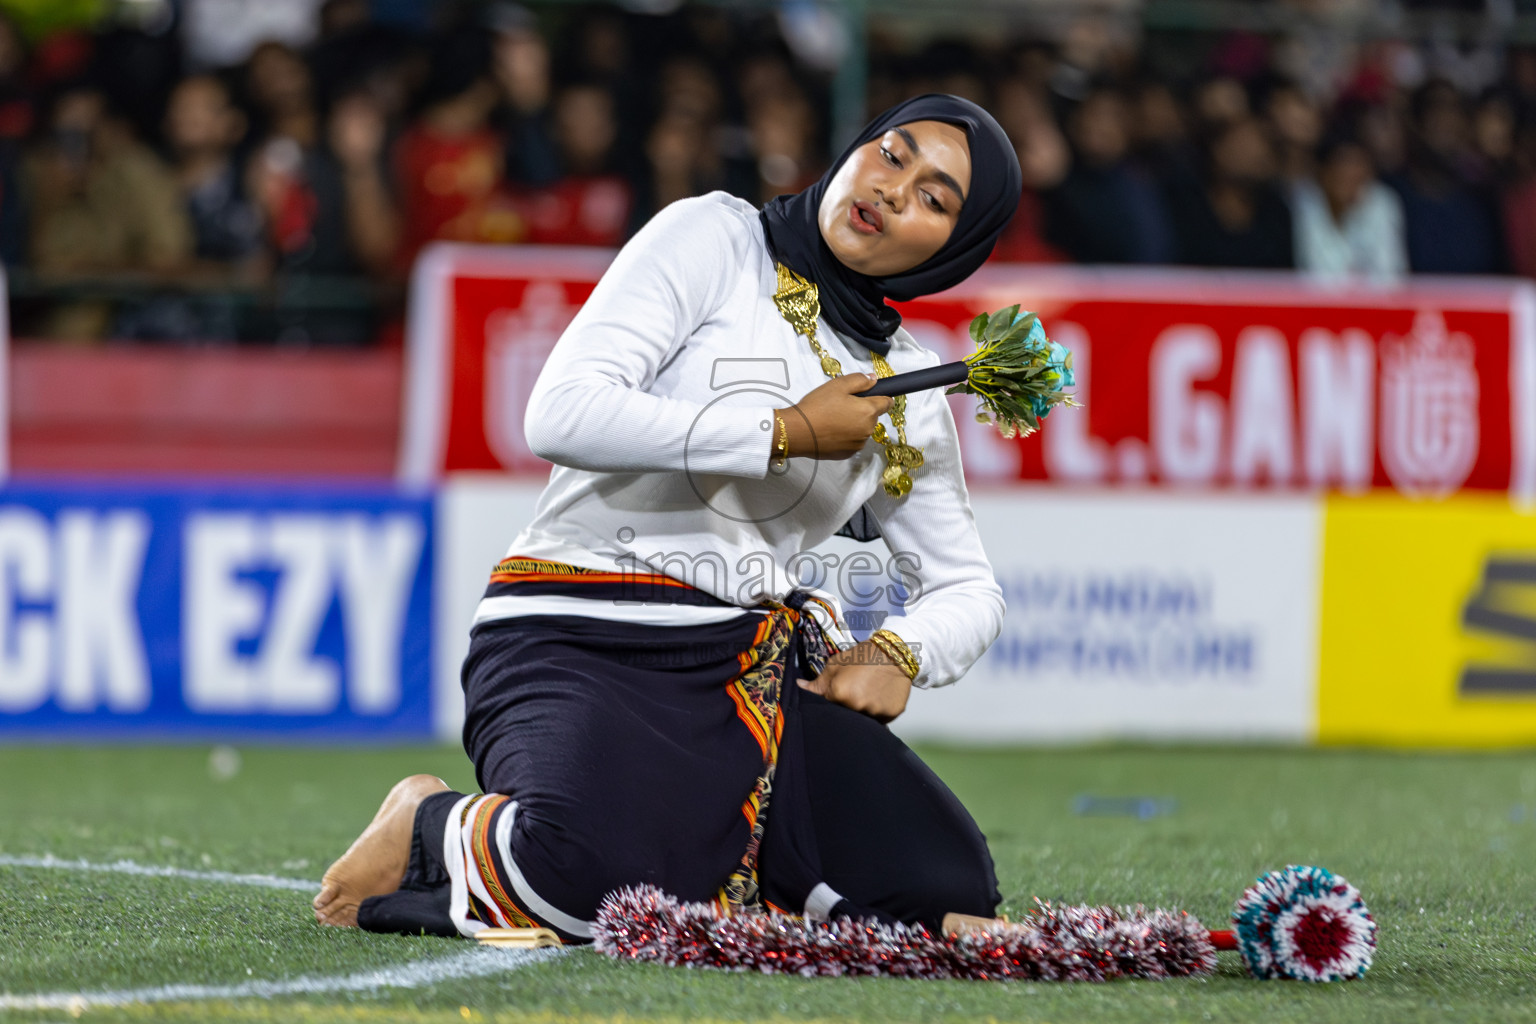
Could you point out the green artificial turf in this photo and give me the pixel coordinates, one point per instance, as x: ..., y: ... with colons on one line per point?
x: 1443, y: 847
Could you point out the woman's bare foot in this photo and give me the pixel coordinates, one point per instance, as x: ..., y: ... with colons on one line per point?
x: 375, y: 862
x: 955, y: 924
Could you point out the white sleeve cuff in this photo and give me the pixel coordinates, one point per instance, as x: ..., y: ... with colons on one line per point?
x: 730, y: 440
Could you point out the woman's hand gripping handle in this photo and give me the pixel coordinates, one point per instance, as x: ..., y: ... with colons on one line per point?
x: 833, y: 421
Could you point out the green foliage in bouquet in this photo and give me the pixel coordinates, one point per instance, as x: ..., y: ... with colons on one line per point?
x: 1016, y: 371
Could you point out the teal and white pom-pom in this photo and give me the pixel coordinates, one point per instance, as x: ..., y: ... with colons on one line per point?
x: 1304, y: 923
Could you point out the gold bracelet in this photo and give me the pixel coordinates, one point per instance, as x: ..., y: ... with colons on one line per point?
x: 897, y: 650
x: 885, y: 648
x: 781, y: 446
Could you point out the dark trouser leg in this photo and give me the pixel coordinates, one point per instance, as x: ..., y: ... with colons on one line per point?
x: 420, y: 905
x: 891, y: 836
x: 623, y: 760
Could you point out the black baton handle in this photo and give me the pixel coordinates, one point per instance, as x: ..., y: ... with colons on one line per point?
x: 919, y: 380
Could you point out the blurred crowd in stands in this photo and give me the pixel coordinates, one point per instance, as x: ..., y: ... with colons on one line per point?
x: 220, y: 151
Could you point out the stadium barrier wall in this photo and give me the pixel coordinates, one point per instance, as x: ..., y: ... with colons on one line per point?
x: 178, y: 411
x: 1373, y: 619
x: 1149, y: 617
x: 208, y: 611
x: 1285, y: 513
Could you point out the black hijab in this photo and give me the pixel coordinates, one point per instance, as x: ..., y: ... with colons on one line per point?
x: 853, y: 303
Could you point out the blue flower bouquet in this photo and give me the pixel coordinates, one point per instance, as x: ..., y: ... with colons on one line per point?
x: 1016, y: 371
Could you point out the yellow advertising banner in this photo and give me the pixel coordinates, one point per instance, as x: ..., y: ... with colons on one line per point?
x: 1428, y: 631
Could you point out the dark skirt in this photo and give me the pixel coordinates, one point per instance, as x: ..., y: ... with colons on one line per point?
x: 686, y: 757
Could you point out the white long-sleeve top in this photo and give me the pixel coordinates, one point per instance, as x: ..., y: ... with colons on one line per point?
x: 656, y: 406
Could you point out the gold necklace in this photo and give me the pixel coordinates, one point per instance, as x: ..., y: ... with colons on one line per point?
x: 800, y: 303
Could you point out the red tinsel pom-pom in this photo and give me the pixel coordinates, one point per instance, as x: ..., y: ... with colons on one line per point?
x: 1053, y: 943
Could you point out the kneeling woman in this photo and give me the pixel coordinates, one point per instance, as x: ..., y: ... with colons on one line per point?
x: 649, y: 697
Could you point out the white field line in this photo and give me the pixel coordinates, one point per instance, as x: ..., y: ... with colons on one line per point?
x: 472, y: 963
x: 128, y: 867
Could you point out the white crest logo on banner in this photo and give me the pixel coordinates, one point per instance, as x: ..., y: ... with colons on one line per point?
x: 518, y: 341
x: 1429, y: 408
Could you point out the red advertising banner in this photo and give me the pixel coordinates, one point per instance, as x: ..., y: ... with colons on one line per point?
x: 1185, y: 378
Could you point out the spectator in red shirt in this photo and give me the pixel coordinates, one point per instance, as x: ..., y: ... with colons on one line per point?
x: 328, y: 209
x: 449, y: 163
x: 591, y: 204
x: 322, y: 203
x: 1518, y: 204
x: 16, y: 101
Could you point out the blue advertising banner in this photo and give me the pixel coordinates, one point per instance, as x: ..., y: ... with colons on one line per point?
x: 203, y: 611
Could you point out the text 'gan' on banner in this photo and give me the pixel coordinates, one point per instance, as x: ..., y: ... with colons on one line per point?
x: 1186, y: 378
x: 1265, y: 381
